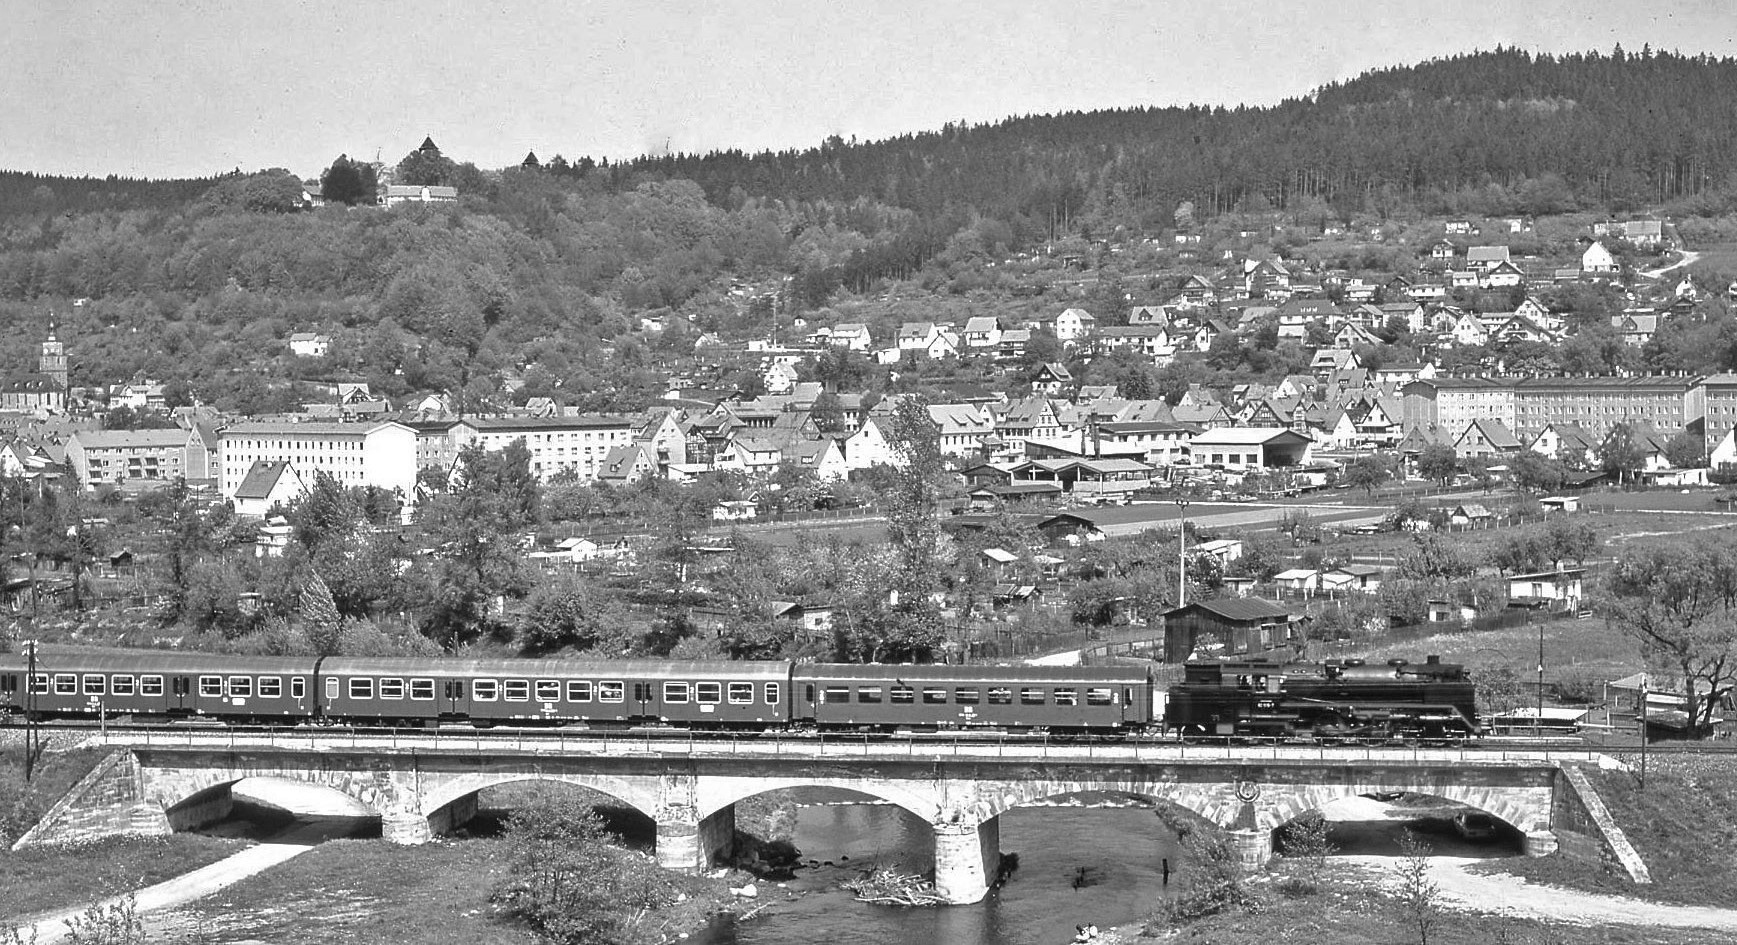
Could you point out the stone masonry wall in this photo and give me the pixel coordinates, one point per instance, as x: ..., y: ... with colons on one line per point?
x: 1586, y: 831
x: 99, y: 805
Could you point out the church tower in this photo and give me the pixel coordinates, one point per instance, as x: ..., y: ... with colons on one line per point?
x: 53, y: 361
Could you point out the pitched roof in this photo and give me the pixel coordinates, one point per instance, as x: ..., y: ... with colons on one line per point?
x: 261, y: 479
x: 1235, y: 608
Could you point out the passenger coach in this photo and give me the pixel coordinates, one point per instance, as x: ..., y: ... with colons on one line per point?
x: 427, y: 691
x: 933, y: 697
x: 80, y: 685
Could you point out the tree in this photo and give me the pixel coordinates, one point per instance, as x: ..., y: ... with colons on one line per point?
x: 1433, y: 557
x: 426, y: 168
x: 1568, y: 539
x: 1536, y: 472
x: 319, y: 616
x: 1368, y: 472
x: 1679, y: 602
x: 828, y: 414
x: 478, y: 529
x: 1685, y: 451
x: 1517, y: 553
x: 1438, y: 463
x: 1620, y: 453
x: 188, y: 530
x: 570, y: 884
x: 1419, y: 899
x: 349, y: 183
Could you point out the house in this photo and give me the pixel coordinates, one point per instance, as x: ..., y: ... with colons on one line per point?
x: 628, y: 463
x: 1250, y: 447
x: 1071, y: 326
x: 1241, y: 626
x: 1222, y: 550
x: 1502, y: 275
x: 853, y: 336
x: 1637, y: 328
x: 1196, y: 291
x: 1557, y: 589
x: 1443, y: 251
x: 1363, y: 578
x: 1350, y: 336
x: 1470, y: 515
x: 981, y: 335
x: 1469, y: 331
x: 1565, y: 441
x: 266, y: 486
x: 1266, y: 279
x: 307, y: 344
x: 735, y: 510
x: 1458, y: 228
x: 1151, y: 342
x: 120, y: 456
x: 1053, y: 378
x: 1486, y: 438
x: 397, y: 194
x: 962, y: 428
x: 1296, y: 315
x: 1446, y: 611
x: 1597, y: 259
x: 1298, y: 580
x: 1482, y: 258
x: 1149, y: 315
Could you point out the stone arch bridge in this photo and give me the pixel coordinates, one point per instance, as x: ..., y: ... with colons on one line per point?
x: 420, y: 785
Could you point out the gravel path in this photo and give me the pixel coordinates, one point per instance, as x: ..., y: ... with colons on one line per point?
x: 1505, y: 894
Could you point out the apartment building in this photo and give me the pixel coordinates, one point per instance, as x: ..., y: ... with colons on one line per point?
x: 117, y: 456
x: 380, y: 454
x: 578, y: 445
x: 1668, y: 402
x: 1454, y: 402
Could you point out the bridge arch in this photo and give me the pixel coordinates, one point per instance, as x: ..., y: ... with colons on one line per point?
x: 1526, y: 810
x: 714, y: 794
x: 176, y: 790
x: 630, y: 791
x: 1214, y: 804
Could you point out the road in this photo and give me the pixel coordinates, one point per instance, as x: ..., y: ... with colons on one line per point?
x: 1687, y: 260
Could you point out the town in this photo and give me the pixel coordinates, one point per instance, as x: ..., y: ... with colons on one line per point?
x: 1311, y: 517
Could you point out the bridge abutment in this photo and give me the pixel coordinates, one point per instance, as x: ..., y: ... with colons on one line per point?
x: 967, y: 858
x: 453, y: 816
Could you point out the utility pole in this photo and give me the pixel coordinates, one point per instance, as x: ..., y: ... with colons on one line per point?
x: 1181, y: 552
x: 1641, y: 716
x: 1538, y: 720
x: 31, y: 735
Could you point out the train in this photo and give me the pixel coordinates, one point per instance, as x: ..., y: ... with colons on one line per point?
x: 1341, y: 699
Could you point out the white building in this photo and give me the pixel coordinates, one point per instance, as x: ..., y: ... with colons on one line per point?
x: 579, y: 445
x: 379, y: 454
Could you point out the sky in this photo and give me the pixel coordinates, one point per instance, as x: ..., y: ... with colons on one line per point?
x: 173, y: 88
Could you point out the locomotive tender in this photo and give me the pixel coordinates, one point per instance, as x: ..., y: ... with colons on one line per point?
x: 1234, y: 698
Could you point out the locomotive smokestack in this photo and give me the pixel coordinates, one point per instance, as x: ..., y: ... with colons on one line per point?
x: 1432, y: 659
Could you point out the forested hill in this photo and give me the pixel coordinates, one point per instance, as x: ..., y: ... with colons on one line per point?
x: 23, y: 193
x: 1610, y: 130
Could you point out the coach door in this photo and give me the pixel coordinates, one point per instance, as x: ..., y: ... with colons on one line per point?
x: 452, y: 698
x: 643, y: 697
x: 180, y: 693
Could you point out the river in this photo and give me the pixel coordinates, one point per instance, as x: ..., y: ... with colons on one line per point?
x: 1077, y: 866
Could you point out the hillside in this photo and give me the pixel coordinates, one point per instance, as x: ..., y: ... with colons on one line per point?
x: 543, y: 275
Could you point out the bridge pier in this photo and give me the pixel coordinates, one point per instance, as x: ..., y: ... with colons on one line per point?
x: 967, y: 858
x: 1254, y: 846
x: 689, y: 845
x: 1540, y: 842
x: 448, y: 819
x: 409, y: 828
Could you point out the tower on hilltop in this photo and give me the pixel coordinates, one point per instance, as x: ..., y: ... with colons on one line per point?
x: 53, y: 360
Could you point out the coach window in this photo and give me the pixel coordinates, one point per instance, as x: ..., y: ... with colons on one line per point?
x: 298, y: 687
x: 241, y: 686
x: 392, y: 688
x: 95, y: 684
x: 39, y: 684
x: 772, y: 693
x: 361, y: 688
x: 1098, y: 695
x: 835, y: 694
x: 708, y: 693
x: 548, y: 690
x: 611, y: 691
x: 150, y: 685
x: 741, y: 693
x: 517, y: 690
x: 1031, y: 696
x: 934, y: 695
x: 485, y: 690
x: 578, y: 691
x: 211, y: 687
x: 902, y: 695
x: 422, y: 689
x: 9, y: 682
x: 65, y: 684
x: 271, y: 687
x: 675, y: 692
x: 966, y: 695
x: 1000, y: 695
x: 868, y: 694
x: 331, y: 688
x: 1067, y: 697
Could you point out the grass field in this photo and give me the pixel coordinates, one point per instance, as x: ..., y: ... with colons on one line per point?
x: 41, y: 879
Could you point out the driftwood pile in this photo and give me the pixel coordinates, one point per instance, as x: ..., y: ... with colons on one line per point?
x: 889, y: 887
